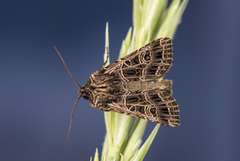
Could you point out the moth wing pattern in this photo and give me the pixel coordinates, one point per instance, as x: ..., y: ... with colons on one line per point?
x: 149, y: 62
x: 134, y: 85
x: 152, y: 105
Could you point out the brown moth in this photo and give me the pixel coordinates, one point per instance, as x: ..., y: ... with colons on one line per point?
x: 134, y: 85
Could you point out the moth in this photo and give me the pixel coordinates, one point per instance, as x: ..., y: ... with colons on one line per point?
x: 134, y: 85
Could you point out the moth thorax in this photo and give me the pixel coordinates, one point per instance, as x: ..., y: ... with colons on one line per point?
x: 109, y: 87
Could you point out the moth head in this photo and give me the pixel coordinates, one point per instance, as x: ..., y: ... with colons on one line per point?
x: 84, y: 92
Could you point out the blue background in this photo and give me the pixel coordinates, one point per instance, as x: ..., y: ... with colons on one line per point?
x: 37, y: 94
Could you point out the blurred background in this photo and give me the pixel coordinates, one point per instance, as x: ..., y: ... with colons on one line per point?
x: 37, y: 94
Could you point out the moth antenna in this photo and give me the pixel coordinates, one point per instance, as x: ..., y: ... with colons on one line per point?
x: 67, y: 67
x: 70, y: 125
